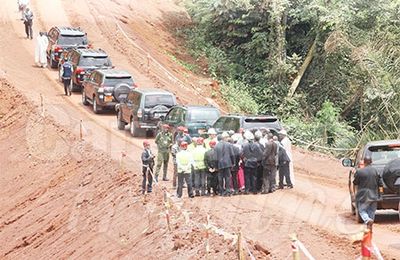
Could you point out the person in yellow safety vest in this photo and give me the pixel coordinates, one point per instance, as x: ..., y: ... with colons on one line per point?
x: 212, y: 136
x: 184, y: 161
x: 193, y: 144
x: 199, y: 167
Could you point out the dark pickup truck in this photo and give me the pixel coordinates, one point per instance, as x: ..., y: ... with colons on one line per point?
x: 385, y: 157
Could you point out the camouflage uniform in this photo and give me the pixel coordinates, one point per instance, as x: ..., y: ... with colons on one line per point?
x: 164, y: 142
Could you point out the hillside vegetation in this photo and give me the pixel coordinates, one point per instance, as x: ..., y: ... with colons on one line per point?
x: 329, y: 68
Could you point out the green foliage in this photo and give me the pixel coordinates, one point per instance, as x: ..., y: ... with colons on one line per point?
x: 351, y: 90
x: 238, y: 98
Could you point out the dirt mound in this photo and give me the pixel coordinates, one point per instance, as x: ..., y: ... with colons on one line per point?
x: 61, y: 198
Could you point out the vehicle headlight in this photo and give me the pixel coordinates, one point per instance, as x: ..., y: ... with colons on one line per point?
x: 100, y: 90
x: 101, y: 96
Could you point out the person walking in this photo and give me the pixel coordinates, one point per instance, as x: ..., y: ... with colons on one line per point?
x: 147, y: 167
x: 185, y: 162
x: 28, y: 22
x: 269, y: 165
x: 40, y: 51
x: 366, y: 187
x: 199, y: 168
x: 22, y: 5
x: 284, y: 170
x: 66, y: 73
x: 210, y: 159
x: 287, y: 144
x: 164, y: 143
x: 225, y: 160
x: 251, y: 154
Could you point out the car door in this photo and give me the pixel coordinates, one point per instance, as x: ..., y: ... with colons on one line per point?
x: 89, y: 86
x: 219, y: 124
x: 125, y: 105
x: 51, y: 38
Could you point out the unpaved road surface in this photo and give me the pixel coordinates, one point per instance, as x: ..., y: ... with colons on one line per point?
x: 63, y: 197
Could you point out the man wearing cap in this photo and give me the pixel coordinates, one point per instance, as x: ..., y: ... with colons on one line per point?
x: 184, y: 162
x: 287, y: 144
x: 164, y: 143
x: 147, y: 167
x: 225, y: 160
x: 199, y: 167
x: 210, y: 159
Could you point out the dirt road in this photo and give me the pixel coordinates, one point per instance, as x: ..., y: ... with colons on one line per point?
x: 133, y: 33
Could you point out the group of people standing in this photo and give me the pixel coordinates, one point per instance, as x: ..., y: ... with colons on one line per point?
x: 225, y: 164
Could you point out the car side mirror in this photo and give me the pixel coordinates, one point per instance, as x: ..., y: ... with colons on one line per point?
x: 162, y: 118
x: 346, y: 162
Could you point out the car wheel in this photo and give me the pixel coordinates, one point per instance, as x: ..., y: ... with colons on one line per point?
x: 84, y: 98
x: 120, y: 123
x: 96, y: 108
x: 133, y: 129
x: 53, y: 64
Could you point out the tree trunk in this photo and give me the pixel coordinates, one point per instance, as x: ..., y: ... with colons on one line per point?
x: 303, y: 69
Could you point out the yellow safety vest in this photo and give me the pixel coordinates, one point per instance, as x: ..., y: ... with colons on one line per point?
x: 184, y: 161
x: 198, y: 157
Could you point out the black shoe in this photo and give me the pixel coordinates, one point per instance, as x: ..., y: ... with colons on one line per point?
x: 165, y: 179
x: 280, y: 187
x: 290, y: 187
x: 148, y: 191
x: 197, y: 194
x: 191, y: 196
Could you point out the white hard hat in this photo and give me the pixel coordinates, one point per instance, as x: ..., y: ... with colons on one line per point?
x: 248, y: 135
x: 283, y: 132
x: 225, y: 134
x: 236, y: 137
x: 258, y: 134
x: 211, y: 131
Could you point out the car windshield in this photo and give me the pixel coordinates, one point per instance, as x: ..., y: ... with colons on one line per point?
x: 113, y: 81
x: 95, y: 61
x: 72, y: 40
x: 203, y: 115
x: 158, y: 99
x: 384, y: 154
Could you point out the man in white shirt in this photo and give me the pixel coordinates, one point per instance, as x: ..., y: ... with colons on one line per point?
x: 287, y: 144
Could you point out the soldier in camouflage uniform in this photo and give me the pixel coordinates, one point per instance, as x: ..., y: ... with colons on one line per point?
x: 164, y: 143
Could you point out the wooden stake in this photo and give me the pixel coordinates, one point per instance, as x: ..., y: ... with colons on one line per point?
x: 42, y: 104
x: 148, y: 63
x: 239, y: 245
x: 295, y: 247
x: 81, y: 130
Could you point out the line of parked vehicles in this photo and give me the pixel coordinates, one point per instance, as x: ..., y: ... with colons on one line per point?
x: 142, y: 109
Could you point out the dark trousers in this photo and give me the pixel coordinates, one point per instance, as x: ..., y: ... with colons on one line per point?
x: 28, y: 29
x: 284, y: 172
x: 200, y: 181
x: 269, y: 176
x: 249, y: 179
x: 174, y: 177
x: 147, y: 177
x: 224, y: 181
x: 235, y: 183
x: 67, y: 90
x: 184, y: 177
x: 212, y: 182
x: 259, y: 177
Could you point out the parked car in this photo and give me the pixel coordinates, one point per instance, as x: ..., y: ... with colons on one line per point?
x: 235, y: 122
x: 197, y: 119
x: 62, y: 39
x: 85, y: 61
x: 142, y: 110
x: 104, y: 88
x: 382, y: 154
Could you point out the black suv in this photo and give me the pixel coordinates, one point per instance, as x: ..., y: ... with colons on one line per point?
x: 197, y: 119
x: 61, y: 39
x: 235, y: 122
x: 85, y: 61
x: 105, y: 87
x: 382, y: 153
x: 143, y: 109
